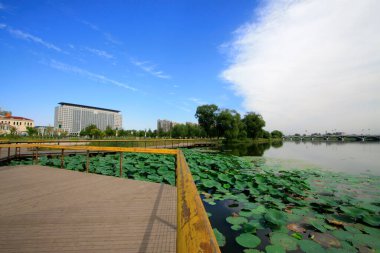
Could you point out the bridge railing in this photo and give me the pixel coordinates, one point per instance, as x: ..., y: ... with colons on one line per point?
x: 194, y: 232
x: 144, y: 143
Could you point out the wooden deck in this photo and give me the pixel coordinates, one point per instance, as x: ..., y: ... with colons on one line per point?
x: 45, y: 209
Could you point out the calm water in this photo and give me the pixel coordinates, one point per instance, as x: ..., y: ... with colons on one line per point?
x: 353, y: 157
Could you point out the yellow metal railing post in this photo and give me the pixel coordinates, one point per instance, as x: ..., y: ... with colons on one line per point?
x: 194, y: 232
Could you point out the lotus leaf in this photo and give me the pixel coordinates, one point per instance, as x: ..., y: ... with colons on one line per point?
x: 372, y: 220
x: 225, y: 178
x: 245, y: 214
x: 318, y: 224
x: 353, y: 211
x: 274, y: 249
x: 275, y: 217
x: 256, y: 224
x: 220, y: 238
x: 259, y: 210
x: 248, y: 240
x: 310, y: 246
x: 342, y: 235
x: 366, y: 240
x: 287, y: 242
x: 296, y: 227
x: 210, y: 183
x: 372, y: 231
x: 325, y: 240
x: 236, y: 220
x: 236, y: 227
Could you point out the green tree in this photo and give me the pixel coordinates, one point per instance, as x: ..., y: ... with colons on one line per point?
x: 31, y: 131
x: 109, y: 132
x: 254, y: 124
x: 91, y: 131
x: 96, y: 133
x: 206, y: 115
x: 266, y: 134
x: 277, y: 134
x: 179, y: 131
x: 228, y: 124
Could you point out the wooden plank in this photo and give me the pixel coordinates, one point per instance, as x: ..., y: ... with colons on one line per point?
x: 52, y: 210
x: 194, y: 229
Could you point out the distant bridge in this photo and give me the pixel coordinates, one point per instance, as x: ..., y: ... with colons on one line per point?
x: 328, y: 137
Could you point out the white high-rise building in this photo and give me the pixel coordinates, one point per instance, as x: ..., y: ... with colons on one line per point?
x: 72, y: 118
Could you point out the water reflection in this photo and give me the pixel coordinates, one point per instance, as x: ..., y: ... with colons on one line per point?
x: 248, y: 148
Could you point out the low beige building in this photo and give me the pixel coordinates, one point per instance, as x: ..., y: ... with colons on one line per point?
x: 18, y: 125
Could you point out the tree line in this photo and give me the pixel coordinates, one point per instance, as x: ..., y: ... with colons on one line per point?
x: 213, y: 122
x: 228, y: 124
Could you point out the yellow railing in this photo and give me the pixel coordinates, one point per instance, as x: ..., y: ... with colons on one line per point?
x: 194, y: 232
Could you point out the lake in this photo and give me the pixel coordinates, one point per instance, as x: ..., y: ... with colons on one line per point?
x: 351, y: 157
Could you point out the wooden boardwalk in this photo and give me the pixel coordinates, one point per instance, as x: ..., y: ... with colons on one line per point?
x: 45, y: 209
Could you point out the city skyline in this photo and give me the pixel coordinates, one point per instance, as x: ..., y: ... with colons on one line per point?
x: 300, y: 64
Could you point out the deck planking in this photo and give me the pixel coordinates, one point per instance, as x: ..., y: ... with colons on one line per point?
x: 44, y: 209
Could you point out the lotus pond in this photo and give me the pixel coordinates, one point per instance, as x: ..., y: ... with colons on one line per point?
x: 257, y: 207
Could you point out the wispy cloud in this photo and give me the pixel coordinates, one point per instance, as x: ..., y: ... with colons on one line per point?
x: 90, y: 25
x: 197, y: 101
x: 310, y: 64
x: 93, y: 76
x: 151, y: 69
x: 100, y: 53
x: 29, y: 37
x: 108, y: 36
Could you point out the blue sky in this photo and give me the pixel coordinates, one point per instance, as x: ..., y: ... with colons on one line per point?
x: 305, y: 65
x: 149, y: 59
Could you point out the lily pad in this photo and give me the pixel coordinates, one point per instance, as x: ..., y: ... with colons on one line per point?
x: 366, y: 240
x: 220, y: 238
x: 287, y: 242
x: 248, y: 240
x: 236, y: 220
x: 310, y: 246
x: 326, y: 240
x: 372, y: 220
x: 275, y: 217
x: 236, y: 227
x: 296, y: 228
x: 274, y: 249
x: 353, y: 211
x: 318, y: 225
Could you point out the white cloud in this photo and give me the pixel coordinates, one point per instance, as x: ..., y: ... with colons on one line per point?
x: 29, y: 37
x: 311, y: 64
x: 108, y: 36
x: 100, y: 53
x: 151, y: 69
x: 97, y: 77
x: 197, y: 101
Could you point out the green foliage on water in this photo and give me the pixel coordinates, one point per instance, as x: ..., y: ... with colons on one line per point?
x: 296, y: 209
x: 146, y: 167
